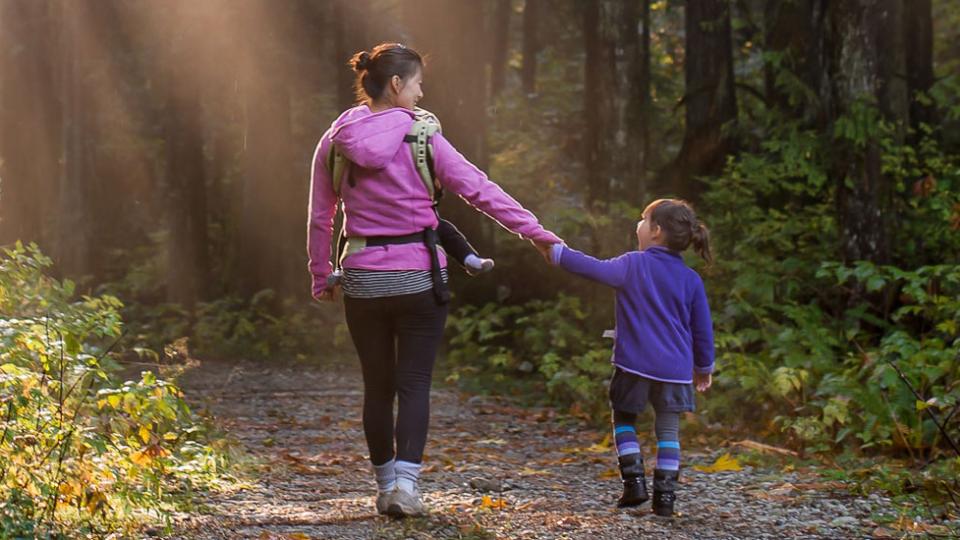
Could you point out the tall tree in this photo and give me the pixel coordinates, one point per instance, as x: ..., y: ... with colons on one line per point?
x: 74, y: 231
x: 269, y: 172
x: 29, y: 119
x: 350, y: 23
x: 866, y: 60
x: 187, y: 241
x: 918, y: 36
x: 794, y: 34
x: 531, y: 44
x: 501, y: 46
x: 455, y: 88
x: 613, y: 99
x: 709, y: 98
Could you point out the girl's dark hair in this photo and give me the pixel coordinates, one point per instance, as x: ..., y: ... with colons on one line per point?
x: 679, y: 223
x: 375, y: 68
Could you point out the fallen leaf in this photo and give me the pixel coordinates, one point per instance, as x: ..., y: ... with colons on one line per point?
x: 497, y: 442
x: 726, y: 462
x: 491, y: 503
x: 527, y: 471
x: 609, y: 473
x: 765, y: 448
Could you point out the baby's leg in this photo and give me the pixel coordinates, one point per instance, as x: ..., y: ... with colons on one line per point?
x: 457, y: 246
x: 667, y: 473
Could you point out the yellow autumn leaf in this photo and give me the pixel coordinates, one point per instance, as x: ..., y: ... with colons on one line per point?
x: 297, y: 536
x: 113, y: 399
x: 609, y: 473
x: 726, y: 462
x: 527, y: 471
x: 491, y: 503
x: 141, y: 458
x: 144, y: 434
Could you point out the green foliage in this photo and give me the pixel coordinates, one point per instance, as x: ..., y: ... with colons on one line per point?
x: 811, y: 341
x: 78, y: 449
x: 543, y: 342
x: 231, y: 327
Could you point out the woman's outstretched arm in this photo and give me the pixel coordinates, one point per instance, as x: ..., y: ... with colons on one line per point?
x: 466, y: 180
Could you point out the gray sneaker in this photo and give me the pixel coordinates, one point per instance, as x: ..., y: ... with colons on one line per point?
x: 383, y: 501
x: 403, y: 504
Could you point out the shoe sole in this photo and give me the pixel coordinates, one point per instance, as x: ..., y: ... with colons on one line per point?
x: 397, y: 511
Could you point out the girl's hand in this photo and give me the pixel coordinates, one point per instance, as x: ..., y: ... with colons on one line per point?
x: 544, y: 249
x: 702, y: 381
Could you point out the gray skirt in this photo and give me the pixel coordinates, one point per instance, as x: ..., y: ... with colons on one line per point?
x: 630, y: 393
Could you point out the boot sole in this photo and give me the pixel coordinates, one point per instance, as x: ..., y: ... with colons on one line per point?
x: 631, y: 503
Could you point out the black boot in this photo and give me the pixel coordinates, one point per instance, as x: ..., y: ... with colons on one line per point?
x: 664, y: 488
x: 634, y: 483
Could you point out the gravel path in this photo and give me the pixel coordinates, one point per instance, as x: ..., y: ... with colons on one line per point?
x: 492, y: 470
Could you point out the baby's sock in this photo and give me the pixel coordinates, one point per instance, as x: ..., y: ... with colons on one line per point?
x: 476, y: 264
x: 386, y: 476
x: 625, y: 434
x: 408, y: 476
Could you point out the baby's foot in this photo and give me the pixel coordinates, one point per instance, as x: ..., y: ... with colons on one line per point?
x: 475, y: 265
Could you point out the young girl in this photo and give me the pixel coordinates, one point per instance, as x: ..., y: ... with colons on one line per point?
x: 663, y: 340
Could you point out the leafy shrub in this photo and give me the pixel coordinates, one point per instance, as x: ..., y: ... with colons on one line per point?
x: 78, y: 448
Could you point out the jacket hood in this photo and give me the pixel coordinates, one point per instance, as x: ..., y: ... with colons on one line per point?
x: 369, y: 139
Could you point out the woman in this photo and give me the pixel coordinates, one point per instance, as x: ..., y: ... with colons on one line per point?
x: 392, y: 285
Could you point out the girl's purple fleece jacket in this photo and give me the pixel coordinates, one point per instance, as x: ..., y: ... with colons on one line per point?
x: 663, y: 330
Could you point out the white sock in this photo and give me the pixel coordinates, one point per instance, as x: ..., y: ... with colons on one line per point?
x: 386, y: 476
x: 408, y: 476
x: 477, y: 264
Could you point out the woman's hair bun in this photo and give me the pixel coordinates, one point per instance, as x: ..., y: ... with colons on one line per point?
x: 360, y: 61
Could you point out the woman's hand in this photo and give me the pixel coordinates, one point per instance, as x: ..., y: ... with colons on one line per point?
x: 544, y: 249
x: 702, y: 381
x: 326, y: 295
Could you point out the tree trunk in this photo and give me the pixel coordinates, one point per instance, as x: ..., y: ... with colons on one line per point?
x: 350, y: 36
x: 645, y: 114
x: 74, y: 232
x: 794, y: 33
x: 456, y: 90
x: 29, y: 120
x: 613, y: 100
x: 501, y: 46
x: 866, y: 59
x: 709, y: 96
x: 918, y: 36
x: 531, y: 45
x: 187, y: 240
x: 267, y: 160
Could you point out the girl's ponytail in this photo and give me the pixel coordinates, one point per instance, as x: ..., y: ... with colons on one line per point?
x: 700, y: 238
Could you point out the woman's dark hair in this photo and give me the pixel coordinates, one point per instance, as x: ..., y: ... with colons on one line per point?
x: 375, y: 68
x: 679, y: 223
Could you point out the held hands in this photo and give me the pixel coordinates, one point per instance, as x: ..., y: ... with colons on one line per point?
x: 544, y: 249
x: 702, y: 381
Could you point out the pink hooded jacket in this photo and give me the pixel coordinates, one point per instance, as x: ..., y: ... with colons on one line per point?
x: 389, y: 198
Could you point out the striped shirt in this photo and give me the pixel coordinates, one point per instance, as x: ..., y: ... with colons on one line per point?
x: 358, y: 283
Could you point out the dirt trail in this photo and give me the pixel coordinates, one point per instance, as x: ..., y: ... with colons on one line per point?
x: 492, y: 470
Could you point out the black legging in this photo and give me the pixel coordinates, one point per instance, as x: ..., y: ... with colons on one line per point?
x: 396, y: 339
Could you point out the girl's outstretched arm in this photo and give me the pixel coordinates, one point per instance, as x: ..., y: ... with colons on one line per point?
x: 612, y: 272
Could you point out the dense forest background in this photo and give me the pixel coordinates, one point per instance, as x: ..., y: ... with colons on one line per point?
x: 159, y: 151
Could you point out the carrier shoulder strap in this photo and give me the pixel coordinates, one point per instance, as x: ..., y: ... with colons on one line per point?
x: 420, y: 138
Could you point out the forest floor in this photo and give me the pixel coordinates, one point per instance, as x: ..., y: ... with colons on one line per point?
x: 493, y: 469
